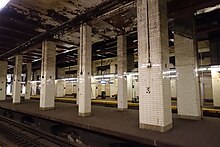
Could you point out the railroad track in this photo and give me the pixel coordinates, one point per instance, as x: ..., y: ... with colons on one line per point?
x: 27, y: 136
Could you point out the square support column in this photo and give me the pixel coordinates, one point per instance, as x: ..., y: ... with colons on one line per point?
x: 129, y: 87
x: 216, y: 86
x: 47, y: 93
x: 78, y: 75
x: 122, y: 71
x: 3, y: 79
x: 188, y: 97
x: 93, y: 84
x: 59, y: 84
x: 113, y: 85
x: 85, y: 64
x: 153, y: 53
x: 214, y: 43
x: 28, y: 81
x: 16, y: 93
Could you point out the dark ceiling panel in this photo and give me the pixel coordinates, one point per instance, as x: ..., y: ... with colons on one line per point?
x: 20, y: 23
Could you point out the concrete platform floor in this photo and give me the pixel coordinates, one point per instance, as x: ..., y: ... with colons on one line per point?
x: 205, y: 132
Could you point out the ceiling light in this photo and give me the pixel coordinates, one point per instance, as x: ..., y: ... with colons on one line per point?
x: 209, y: 9
x: 3, y: 3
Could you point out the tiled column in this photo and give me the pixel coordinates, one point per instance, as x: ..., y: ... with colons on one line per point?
x: 113, y: 87
x: 94, y: 70
x: 3, y: 79
x: 47, y: 93
x: 94, y: 93
x: 16, y: 93
x: 122, y: 71
x: 85, y: 70
x: 216, y: 86
x: 78, y: 74
x: 35, y: 76
x: 9, y: 86
x: 59, y: 84
x: 153, y: 53
x: 129, y: 87
x: 188, y: 99
x: 214, y: 43
x: 93, y: 81
x: 28, y: 81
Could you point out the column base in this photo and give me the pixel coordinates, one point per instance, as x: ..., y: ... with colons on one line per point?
x: 16, y: 103
x: 46, y: 108
x: 122, y: 109
x: 156, y: 128
x: 84, y: 114
x: 189, y: 117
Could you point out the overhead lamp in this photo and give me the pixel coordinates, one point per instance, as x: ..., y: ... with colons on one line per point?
x: 202, y: 69
x: 3, y: 3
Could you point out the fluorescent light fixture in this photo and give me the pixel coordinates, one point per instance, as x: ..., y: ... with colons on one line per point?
x: 109, y: 76
x: 215, y: 66
x: 172, y: 76
x: 3, y: 3
x: 209, y: 9
x: 97, y: 77
x: 172, y: 40
x: 36, y: 60
x: 202, y: 69
x: 135, y: 49
x: 133, y: 73
x: 70, y: 79
x: 104, y: 76
x: 103, y: 82
x: 169, y: 72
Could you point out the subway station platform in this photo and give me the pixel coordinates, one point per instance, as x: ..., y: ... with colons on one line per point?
x: 109, y: 121
x: 208, y: 109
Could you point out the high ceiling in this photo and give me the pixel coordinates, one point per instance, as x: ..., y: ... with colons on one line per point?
x: 22, y: 20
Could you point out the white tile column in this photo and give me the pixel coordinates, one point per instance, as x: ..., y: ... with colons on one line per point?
x: 216, y: 86
x: 85, y: 61
x: 28, y: 81
x: 188, y: 98
x: 59, y: 84
x: 16, y: 91
x: 122, y: 71
x: 94, y: 93
x: 113, y: 86
x: 214, y: 43
x: 129, y: 87
x: 47, y: 93
x: 78, y: 74
x: 153, y: 52
x: 3, y: 79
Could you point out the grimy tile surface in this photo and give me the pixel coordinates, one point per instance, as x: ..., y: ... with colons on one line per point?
x: 205, y: 132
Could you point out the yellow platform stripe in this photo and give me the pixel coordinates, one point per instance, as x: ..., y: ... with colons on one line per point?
x: 212, y: 110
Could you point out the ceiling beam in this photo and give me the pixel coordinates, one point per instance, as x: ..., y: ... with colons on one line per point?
x: 97, y: 11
